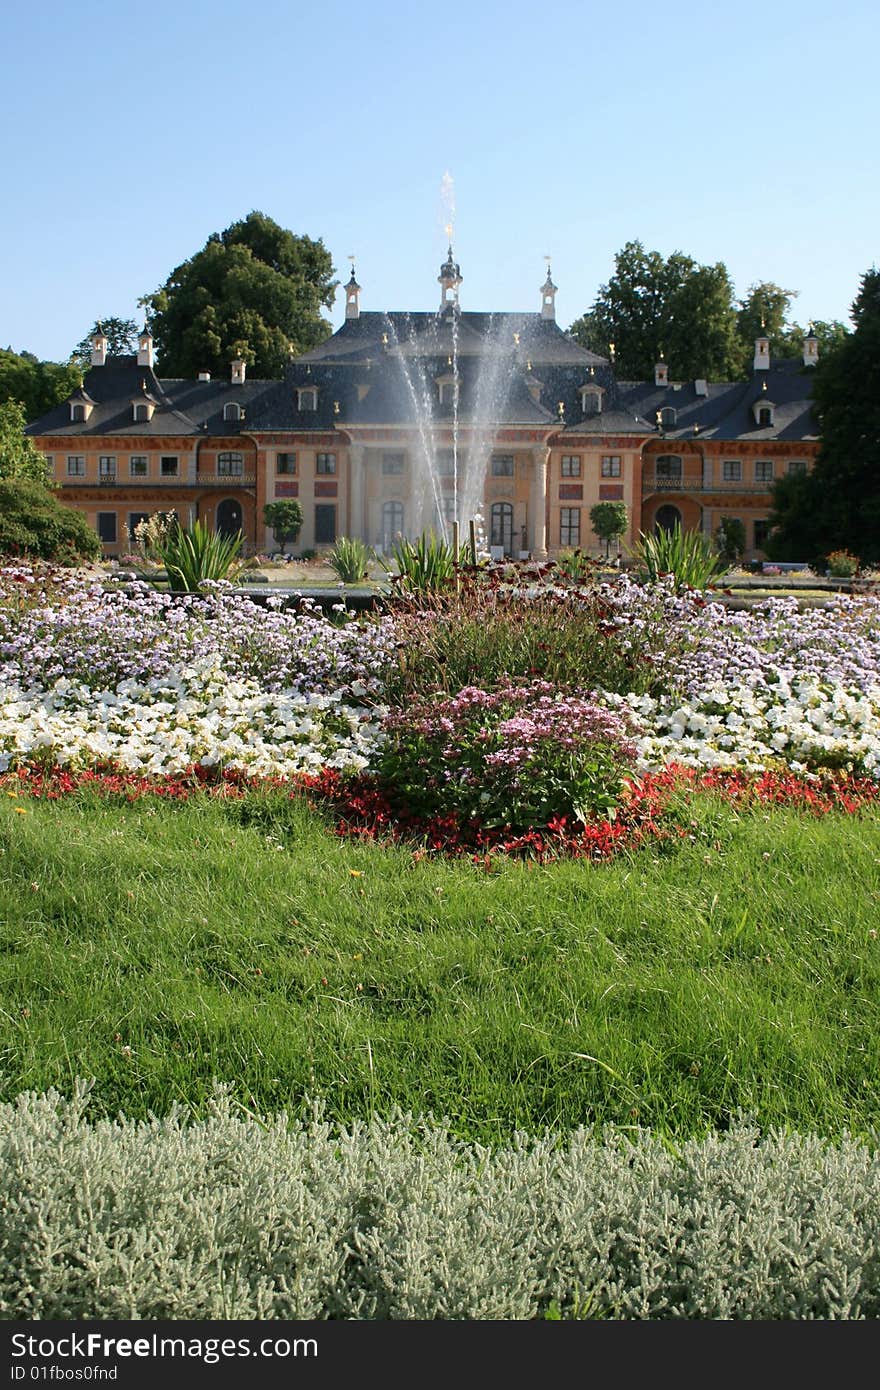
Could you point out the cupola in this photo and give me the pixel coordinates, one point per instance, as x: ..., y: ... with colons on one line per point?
x: 811, y: 349
x: 449, y: 280
x: 98, y: 356
x: 352, y: 297
x: 762, y: 352
x: 145, y: 347
x: 239, y: 370
x: 548, y: 297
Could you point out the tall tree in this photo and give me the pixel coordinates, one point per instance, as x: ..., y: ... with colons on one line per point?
x: 121, y: 335
x: 765, y: 310
x: 670, y: 305
x: 36, y: 385
x: 19, y: 456
x: 837, y: 506
x: 255, y: 290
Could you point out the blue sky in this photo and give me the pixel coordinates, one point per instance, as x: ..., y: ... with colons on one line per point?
x: 746, y: 134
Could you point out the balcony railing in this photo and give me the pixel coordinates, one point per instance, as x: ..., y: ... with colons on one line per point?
x: 202, y: 480
x: 651, y: 483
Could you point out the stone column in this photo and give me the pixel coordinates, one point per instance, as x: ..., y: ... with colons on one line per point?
x: 538, y: 503
x: 356, y: 466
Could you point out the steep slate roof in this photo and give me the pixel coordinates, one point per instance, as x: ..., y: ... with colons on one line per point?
x: 498, y: 357
x: 726, y: 411
x: 181, y: 406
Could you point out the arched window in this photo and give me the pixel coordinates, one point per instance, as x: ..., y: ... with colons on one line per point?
x: 307, y: 398
x: 230, y: 465
x: 765, y: 416
x: 501, y: 526
x: 141, y: 414
x: 591, y: 400
x: 78, y: 414
x: 392, y: 523
x: 667, y: 418
x: 668, y: 466
x: 231, y: 411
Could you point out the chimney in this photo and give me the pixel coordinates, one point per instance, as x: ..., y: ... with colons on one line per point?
x: 238, y: 371
x: 204, y: 376
x: 661, y: 373
x: 99, y: 347
x: 145, y: 347
x: 811, y: 349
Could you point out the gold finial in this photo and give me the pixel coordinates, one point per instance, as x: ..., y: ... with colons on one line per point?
x: 385, y: 339
x: 562, y: 410
x: 516, y: 339
x: 335, y: 407
x: 611, y: 351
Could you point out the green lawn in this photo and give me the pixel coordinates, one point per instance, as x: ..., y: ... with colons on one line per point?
x: 158, y: 946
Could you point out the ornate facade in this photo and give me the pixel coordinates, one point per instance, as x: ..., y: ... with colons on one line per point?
x: 401, y: 421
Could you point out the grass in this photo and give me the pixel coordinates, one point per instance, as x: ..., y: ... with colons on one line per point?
x: 158, y: 946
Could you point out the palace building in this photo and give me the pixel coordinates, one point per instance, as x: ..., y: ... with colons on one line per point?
x: 403, y: 421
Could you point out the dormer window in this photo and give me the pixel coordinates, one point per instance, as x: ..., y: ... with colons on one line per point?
x: 78, y: 414
x: 667, y: 418
x: 307, y: 398
x: 446, y: 390
x: 232, y: 411
x: 763, y: 413
x: 591, y: 399
x: 141, y: 412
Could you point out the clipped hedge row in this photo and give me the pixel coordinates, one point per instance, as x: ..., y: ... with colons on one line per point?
x: 235, y: 1216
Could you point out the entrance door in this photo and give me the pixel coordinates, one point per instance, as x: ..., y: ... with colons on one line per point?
x: 229, y: 517
x: 666, y: 518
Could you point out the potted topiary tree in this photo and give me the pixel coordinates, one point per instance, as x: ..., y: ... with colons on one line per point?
x: 285, y: 519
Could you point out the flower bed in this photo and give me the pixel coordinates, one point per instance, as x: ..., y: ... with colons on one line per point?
x: 152, y: 688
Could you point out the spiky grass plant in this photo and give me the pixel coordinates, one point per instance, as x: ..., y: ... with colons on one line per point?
x: 350, y: 559
x: 688, y: 556
x: 423, y: 565
x: 195, y: 553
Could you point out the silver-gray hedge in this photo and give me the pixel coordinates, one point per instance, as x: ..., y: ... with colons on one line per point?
x: 235, y: 1216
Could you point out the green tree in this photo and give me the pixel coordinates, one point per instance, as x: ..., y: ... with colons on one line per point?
x: 765, y: 310
x: 609, y: 520
x: 121, y: 335
x: 837, y: 506
x: 285, y: 519
x: 37, y: 386
x: 34, y: 524
x: 255, y: 290
x: 19, y: 455
x: 671, y: 305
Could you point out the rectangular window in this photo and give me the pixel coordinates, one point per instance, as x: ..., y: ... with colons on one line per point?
x: 610, y: 466
x: 137, y: 466
x: 285, y: 463
x: 763, y: 470
x: 392, y: 463
x: 570, y: 526
x: 168, y: 467
x: 762, y: 531
x: 732, y: 471
x: 107, y: 527
x: 230, y: 465
x: 796, y: 468
x: 107, y: 466
x: 444, y: 463
x: 50, y: 465
x: 325, y: 463
x: 76, y: 465
x: 571, y: 465
x: 502, y: 465
x: 325, y: 524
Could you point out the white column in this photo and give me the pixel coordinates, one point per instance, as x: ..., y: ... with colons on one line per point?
x: 538, y: 504
x: 356, y: 465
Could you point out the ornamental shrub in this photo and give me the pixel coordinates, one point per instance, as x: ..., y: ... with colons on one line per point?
x: 248, y: 1217
x: 842, y: 564
x: 33, y: 523
x: 521, y: 756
